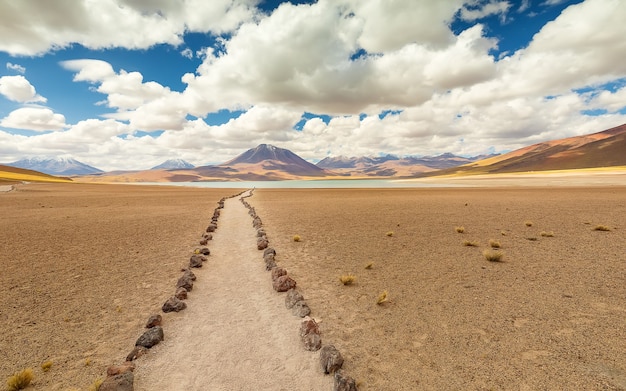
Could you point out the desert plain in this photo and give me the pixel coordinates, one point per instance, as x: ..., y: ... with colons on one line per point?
x: 84, y: 265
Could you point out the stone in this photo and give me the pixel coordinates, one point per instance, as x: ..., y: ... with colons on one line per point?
x: 203, y: 242
x: 262, y: 243
x: 260, y: 233
x: 185, y: 281
x: 151, y: 337
x: 344, y: 382
x: 331, y: 359
x: 181, y: 293
x: 173, y: 304
x: 312, y: 342
x: 211, y: 228
x: 301, y: 309
x: 278, y: 272
x: 205, y: 251
x: 196, y: 260
x: 137, y: 352
x: 122, y: 382
x: 117, y: 369
x: 257, y: 223
x: 270, y: 264
x: 283, y: 283
x: 154, y: 320
x: 268, y: 251
x: 310, y: 335
x: 293, y: 296
x: 207, y: 236
x: 189, y: 274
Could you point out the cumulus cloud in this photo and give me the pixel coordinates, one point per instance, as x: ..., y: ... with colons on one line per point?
x: 18, y: 89
x: 16, y: 67
x: 31, y: 27
x: 34, y: 118
x: 493, y: 7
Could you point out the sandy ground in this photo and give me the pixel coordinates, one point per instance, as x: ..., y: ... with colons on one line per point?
x: 236, y: 333
x: 83, y: 266
x: 550, y: 317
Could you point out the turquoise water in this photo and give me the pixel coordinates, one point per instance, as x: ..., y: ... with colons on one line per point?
x: 296, y: 184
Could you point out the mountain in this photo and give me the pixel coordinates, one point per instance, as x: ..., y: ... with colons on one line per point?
x: 10, y: 174
x: 268, y: 160
x: 55, y: 166
x: 173, y: 164
x: 602, y: 149
x: 390, y: 165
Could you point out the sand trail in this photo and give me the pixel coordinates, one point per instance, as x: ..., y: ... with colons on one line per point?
x: 236, y: 333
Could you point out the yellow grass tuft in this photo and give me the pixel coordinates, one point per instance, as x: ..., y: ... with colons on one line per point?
x: 503, y: 233
x: 390, y: 233
x: 296, y: 238
x: 20, y: 380
x: 601, y: 228
x: 87, y: 362
x: 470, y: 243
x: 493, y: 256
x: 369, y: 265
x: 494, y: 243
x: 347, y: 279
x: 46, y: 366
x: 382, y: 297
x: 528, y: 223
x: 459, y: 229
x: 95, y: 386
x: 547, y: 234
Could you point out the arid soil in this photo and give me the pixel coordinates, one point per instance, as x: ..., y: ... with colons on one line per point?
x: 549, y: 317
x: 83, y: 266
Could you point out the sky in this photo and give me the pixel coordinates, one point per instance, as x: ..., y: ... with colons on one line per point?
x: 127, y: 84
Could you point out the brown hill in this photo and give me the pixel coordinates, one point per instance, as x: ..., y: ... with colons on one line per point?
x: 9, y: 174
x: 268, y: 160
x: 602, y: 149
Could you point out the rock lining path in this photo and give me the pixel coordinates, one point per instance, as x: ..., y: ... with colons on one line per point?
x: 236, y: 333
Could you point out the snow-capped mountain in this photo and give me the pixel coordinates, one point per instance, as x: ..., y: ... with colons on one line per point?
x: 173, y: 164
x: 55, y: 166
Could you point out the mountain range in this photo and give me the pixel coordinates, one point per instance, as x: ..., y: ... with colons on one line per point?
x: 267, y: 162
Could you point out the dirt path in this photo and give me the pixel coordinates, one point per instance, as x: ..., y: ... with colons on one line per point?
x: 236, y: 333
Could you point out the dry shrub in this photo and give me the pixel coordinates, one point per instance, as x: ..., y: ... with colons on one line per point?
x: 95, y: 386
x: 494, y: 243
x: 347, y: 279
x: 46, y: 366
x: 532, y: 239
x: 296, y: 238
x: 470, y: 243
x: 382, y: 297
x: 601, y: 228
x: 528, y: 223
x: 546, y: 234
x: 20, y: 380
x: 369, y: 265
x: 493, y: 256
x: 459, y: 229
x: 390, y: 233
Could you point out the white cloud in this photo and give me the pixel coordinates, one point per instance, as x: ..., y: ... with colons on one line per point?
x: 493, y: 7
x: 16, y: 67
x: 187, y: 53
x: 30, y: 27
x: 18, y: 89
x: 34, y: 118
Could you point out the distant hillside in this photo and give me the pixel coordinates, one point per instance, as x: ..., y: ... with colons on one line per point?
x: 173, y: 164
x: 602, y: 149
x: 9, y: 174
x: 55, y: 166
x: 391, y: 165
x: 273, y: 161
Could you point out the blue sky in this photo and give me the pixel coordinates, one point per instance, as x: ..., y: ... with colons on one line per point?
x: 127, y: 84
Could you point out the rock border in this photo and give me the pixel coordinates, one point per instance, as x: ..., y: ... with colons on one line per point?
x: 331, y: 360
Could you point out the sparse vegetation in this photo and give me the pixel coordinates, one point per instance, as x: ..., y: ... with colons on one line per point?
x: 87, y: 362
x: 493, y: 256
x: 470, y: 243
x: 296, y: 238
x: 459, y: 229
x: 46, y: 366
x: 382, y: 298
x: 494, y: 243
x: 532, y: 239
x: 369, y: 265
x: 528, y: 223
x: 546, y: 234
x: 95, y: 386
x: 601, y: 228
x: 503, y: 233
x: 347, y: 279
x: 20, y: 380
x: 390, y: 233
